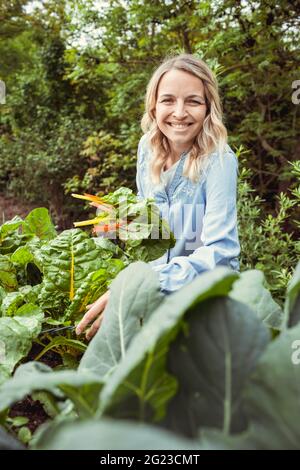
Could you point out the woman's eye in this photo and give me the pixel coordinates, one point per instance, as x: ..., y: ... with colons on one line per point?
x: 169, y: 100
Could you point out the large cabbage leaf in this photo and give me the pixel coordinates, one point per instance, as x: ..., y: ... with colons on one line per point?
x: 134, y: 296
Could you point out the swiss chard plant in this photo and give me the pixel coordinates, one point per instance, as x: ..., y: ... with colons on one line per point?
x: 48, y: 279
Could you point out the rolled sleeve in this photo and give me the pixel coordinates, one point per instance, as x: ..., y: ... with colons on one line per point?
x: 219, y: 230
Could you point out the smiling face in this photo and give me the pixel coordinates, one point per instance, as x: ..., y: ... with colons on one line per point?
x: 180, y: 109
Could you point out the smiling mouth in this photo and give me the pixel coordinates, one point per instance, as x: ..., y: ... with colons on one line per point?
x: 179, y: 126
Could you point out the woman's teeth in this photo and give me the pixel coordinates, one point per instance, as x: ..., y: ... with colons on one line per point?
x: 179, y: 126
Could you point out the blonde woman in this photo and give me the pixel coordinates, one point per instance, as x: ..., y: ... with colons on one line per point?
x: 186, y: 165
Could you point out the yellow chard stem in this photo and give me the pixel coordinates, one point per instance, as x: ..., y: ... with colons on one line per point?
x: 72, y: 289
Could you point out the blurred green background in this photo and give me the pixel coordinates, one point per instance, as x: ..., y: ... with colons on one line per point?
x: 76, y: 74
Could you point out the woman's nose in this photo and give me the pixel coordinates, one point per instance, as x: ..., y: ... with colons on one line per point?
x: 179, y: 109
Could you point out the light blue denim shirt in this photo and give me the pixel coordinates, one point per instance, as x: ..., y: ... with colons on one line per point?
x: 202, y: 216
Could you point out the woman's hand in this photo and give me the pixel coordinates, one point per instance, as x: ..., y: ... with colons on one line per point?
x: 95, y: 312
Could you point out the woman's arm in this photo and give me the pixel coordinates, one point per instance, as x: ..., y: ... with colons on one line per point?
x: 219, y: 234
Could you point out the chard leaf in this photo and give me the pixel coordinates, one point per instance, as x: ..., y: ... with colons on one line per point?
x: 22, y: 256
x: 134, y: 295
x: 31, y: 316
x: 148, y: 236
x: 12, y: 242
x: 2, y: 294
x: 148, y: 249
x: 109, y: 248
x: 66, y: 261
x: 30, y: 293
x: 250, y: 289
x: 39, y: 223
x: 8, y: 275
x: 11, y: 303
x: 95, y: 284
x: 9, y: 227
x: 140, y: 387
x: 15, y: 343
x: 16, y: 335
x: 19, y: 421
x: 108, y: 434
x: 144, y: 233
x: 34, y: 246
x: 121, y: 194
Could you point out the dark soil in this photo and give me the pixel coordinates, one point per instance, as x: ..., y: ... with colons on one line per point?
x: 50, y: 358
x: 29, y: 408
x: 10, y: 206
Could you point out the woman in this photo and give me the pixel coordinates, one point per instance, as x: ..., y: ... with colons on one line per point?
x: 185, y: 163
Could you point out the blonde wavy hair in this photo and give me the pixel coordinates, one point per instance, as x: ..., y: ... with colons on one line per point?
x: 213, y: 135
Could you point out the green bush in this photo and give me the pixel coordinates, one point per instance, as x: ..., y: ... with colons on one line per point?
x: 267, y: 241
